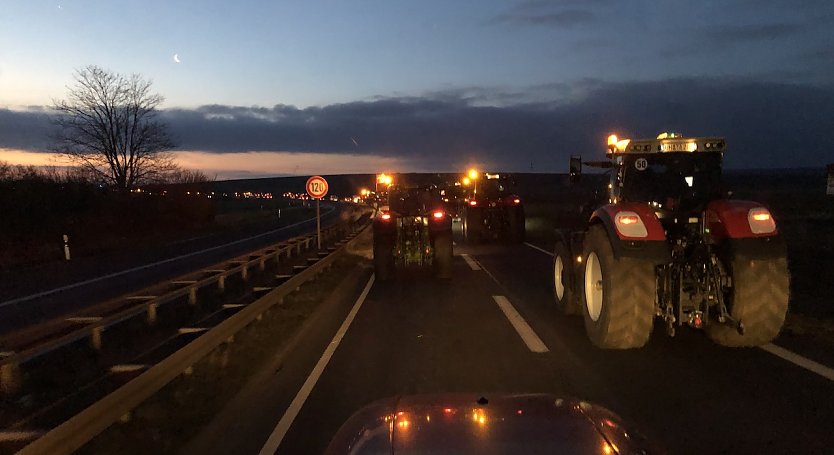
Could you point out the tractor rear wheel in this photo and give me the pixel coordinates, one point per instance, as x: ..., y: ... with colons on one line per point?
x: 563, y: 281
x: 473, y: 224
x: 443, y: 255
x: 758, y: 299
x: 515, y: 224
x: 619, y: 295
x: 383, y: 257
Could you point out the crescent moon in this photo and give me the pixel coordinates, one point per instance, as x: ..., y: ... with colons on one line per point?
x: 176, y: 58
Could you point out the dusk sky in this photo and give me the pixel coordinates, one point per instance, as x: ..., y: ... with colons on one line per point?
x: 279, y: 87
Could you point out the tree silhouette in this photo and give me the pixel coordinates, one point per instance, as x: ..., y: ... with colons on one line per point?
x: 108, y: 125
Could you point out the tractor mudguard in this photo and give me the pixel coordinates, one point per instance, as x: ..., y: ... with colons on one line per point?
x: 652, y: 247
x: 442, y: 224
x: 730, y: 219
x: 755, y: 248
x: 385, y: 226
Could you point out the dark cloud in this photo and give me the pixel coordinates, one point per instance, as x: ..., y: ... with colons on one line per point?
x: 549, y: 13
x: 752, y: 33
x: 712, y: 41
x: 565, y: 18
x: 766, y: 124
x: 26, y: 130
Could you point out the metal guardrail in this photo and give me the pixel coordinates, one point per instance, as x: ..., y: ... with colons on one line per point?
x: 84, y: 426
x: 92, y: 327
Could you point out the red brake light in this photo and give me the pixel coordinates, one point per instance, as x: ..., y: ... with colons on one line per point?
x: 473, y: 202
x: 386, y: 216
x: 437, y: 214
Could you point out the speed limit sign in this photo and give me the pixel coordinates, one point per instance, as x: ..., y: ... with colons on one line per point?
x: 316, y: 187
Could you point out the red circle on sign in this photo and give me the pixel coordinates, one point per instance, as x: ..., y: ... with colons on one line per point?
x: 316, y: 187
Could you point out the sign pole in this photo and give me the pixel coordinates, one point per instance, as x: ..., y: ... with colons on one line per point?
x: 317, y: 189
x: 318, y: 223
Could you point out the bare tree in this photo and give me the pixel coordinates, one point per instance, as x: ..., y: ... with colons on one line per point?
x: 188, y: 176
x: 108, y: 125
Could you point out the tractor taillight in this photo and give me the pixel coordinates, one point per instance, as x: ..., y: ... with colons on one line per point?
x: 386, y: 216
x: 473, y: 203
x: 437, y: 214
x: 760, y: 220
x: 516, y: 201
x: 629, y: 224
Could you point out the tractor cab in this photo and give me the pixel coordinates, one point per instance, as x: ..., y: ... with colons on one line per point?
x: 677, y: 176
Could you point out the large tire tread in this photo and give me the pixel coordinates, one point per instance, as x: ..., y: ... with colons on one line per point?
x: 629, y: 287
x: 383, y: 258
x: 569, y: 303
x: 443, y: 255
x: 759, y: 299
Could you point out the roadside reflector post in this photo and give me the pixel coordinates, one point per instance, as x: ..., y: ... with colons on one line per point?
x: 192, y: 295
x: 244, y: 272
x: 262, y: 263
x: 10, y: 378
x: 95, y: 339
x: 151, y: 313
x: 66, y: 247
x: 221, y: 283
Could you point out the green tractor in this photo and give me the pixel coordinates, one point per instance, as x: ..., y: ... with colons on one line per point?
x: 413, y: 230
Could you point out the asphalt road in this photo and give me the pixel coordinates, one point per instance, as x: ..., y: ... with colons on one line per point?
x: 31, y: 296
x: 419, y: 335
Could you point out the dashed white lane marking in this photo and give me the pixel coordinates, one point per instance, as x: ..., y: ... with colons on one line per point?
x: 778, y: 351
x: 147, y: 266
x: 800, y: 361
x: 539, y: 249
x: 471, y: 262
x: 533, y: 342
x: 298, y: 402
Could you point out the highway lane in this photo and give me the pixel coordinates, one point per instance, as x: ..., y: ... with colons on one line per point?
x: 37, y: 295
x: 418, y: 335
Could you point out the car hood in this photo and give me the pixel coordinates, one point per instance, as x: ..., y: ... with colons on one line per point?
x: 469, y: 423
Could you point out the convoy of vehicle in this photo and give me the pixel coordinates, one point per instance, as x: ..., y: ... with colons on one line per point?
x: 669, y: 244
x: 666, y: 242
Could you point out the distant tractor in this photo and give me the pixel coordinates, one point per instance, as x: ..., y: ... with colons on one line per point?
x: 490, y: 211
x: 414, y: 229
x: 669, y: 244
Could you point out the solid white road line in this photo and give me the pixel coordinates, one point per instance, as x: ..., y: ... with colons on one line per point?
x: 533, y: 342
x: 284, y: 424
x: 147, y: 266
x: 800, y: 361
x: 539, y: 248
x: 471, y: 262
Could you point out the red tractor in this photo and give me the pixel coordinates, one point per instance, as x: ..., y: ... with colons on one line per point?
x: 490, y: 210
x: 669, y: 244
